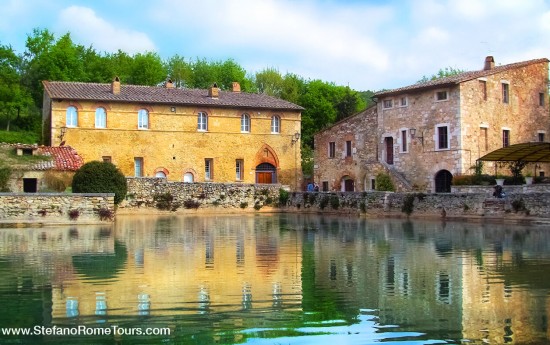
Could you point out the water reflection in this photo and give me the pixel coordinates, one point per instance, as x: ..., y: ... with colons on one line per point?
x: 283, y: 279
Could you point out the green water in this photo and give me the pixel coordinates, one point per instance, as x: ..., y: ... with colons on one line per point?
x: 275, y: 279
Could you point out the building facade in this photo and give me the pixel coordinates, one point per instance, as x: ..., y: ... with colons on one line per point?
x: 180, y: 134
x: 429, y: 132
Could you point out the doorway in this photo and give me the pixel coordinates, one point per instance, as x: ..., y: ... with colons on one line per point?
x: 389, y: 149
x: 266, y: 173
x: 30, y: 185
x: 443, y: 180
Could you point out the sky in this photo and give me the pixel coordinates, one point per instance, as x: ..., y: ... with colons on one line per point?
x: 364, y: 44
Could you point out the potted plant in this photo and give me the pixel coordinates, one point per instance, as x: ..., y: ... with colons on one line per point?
x: 500, y: 180
x: 528, y: 178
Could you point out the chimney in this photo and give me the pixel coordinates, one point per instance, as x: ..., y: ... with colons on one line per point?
x: 213, y: 91
x: 169, y: 84
x: 489, y: 63
x: 115, y: 86
x: 236, y: 87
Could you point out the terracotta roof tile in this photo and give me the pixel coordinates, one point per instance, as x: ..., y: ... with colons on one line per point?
x: 64, y: 158
x: 458, y: 78
x: 162, y: 95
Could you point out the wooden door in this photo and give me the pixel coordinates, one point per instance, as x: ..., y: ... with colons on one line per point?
x: 389, y: 150
x: 264, y: 177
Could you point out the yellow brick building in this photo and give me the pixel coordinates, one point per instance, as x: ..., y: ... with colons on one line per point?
x: 186, y: 135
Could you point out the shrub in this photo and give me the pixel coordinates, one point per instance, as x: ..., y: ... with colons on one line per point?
x: 57, y: 181
x: 268, y: 200
x: 243, y: 205
x: 74, y: 214
x: 334, y: 202
x: 384, y: 183
x: 5, y: 173
x: 324, y: 202
x: 518, y: 205
x: 257, y: 206
x: 191, y: 203
x: 283, y: 197
x: 363, y: 207
x: 408, y: 204
x: 105, y: 214
x: 100, y: 177
x: 163, y: 201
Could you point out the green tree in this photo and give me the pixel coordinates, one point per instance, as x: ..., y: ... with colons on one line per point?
x: 442, y: 73
x: 179, y: 71
x: 100, y: 177
x: 147, y: 69
x: 269, y: 81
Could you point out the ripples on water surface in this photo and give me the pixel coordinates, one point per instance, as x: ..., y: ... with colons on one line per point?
x: 279, y: 279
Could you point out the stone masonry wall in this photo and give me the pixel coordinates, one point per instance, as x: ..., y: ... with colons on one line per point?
x: 146, y: 193
x: 55, y: 207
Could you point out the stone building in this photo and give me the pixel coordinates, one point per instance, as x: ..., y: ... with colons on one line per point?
x: 426, y: 133
x: 182, y: 134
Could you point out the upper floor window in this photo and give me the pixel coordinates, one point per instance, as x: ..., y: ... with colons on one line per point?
x: 72, y: 117
x: 143, y: 119
x: 202, y: 121
x: 403, y: 102
x: 442, y: 95
x: 541, y: 99
x: 331, y: 149
x: 505, y: 93
x: 100, y: 118
x: 388, y: 103
x: 245, y: 123
x: 275, y: 124
x: 483, y: 87
x: 404, y: 142
x: 442, y: 132
x: 505, y: 137
x: 348, y: 148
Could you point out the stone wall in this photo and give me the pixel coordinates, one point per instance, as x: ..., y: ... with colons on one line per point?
x: 55, y: 207
x: 153, y: 193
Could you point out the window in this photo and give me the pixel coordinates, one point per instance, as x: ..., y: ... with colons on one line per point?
x: 541, y: 137
x: 245, y: 123
x: 404, y: 143
x: 541, y: 99
x: 331, y: 149
x: 100, y: 118
x: 202, y: 121
x: 188, y: 177
x: 106, y: 159
x: 138, y: 166
x: 239, y: 166
x: 483, y: 87
x: 275, y: 124
x: 348, y: 148
x: 161, y: 174
x: 143, y: 119
x: 484, y: 140
x: 325, y: 186
x: 388, y: 103
x: 505, y: 137
x: 505, y: 92
x: 72, y: 117
x: 403, y: 101
x: 442, y: 137
x: 208, y: 169
x: 441, y: 95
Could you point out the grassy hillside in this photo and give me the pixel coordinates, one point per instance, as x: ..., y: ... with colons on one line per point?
x: 19, y: 137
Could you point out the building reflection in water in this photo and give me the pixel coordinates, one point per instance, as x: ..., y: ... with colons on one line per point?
x: 466, y: 281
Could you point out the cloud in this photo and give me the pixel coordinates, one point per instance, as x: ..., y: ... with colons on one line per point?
x: 102, y: 35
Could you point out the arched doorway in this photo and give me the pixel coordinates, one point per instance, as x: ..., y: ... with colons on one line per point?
x: 266, y: 173
x: 347, y: 184
x: 443, y: 180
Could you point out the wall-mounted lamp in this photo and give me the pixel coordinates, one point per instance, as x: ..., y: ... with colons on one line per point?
x: 62, y: 133
x: 295, y: 137
x: 413, y: 135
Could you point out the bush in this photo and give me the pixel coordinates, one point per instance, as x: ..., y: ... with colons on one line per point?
x: 105, y: 214
x: 244, y: 205
x: 384, y: 183
x: 163, y: 201
x: 257, y: 206
x: 74, y: 214
x: 324, y: 202
x: 5, y: 173
x: 190, y: 203
x: 334, y: 202
x: 100, y: 177
x: 283, y: 197
x: 408, y: 204
x: 57, y: 181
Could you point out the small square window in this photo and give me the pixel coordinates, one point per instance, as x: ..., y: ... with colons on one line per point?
x: 404, y: 102
x: 106, y: 159
x: 388, y: 103
x: 441, y: 95
x: 505, y: 93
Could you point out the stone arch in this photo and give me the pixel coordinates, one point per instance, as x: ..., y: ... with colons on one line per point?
x: 189, y: 175
x: 160, y: 171
x: 266, y: 154
x: 442, y: 181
